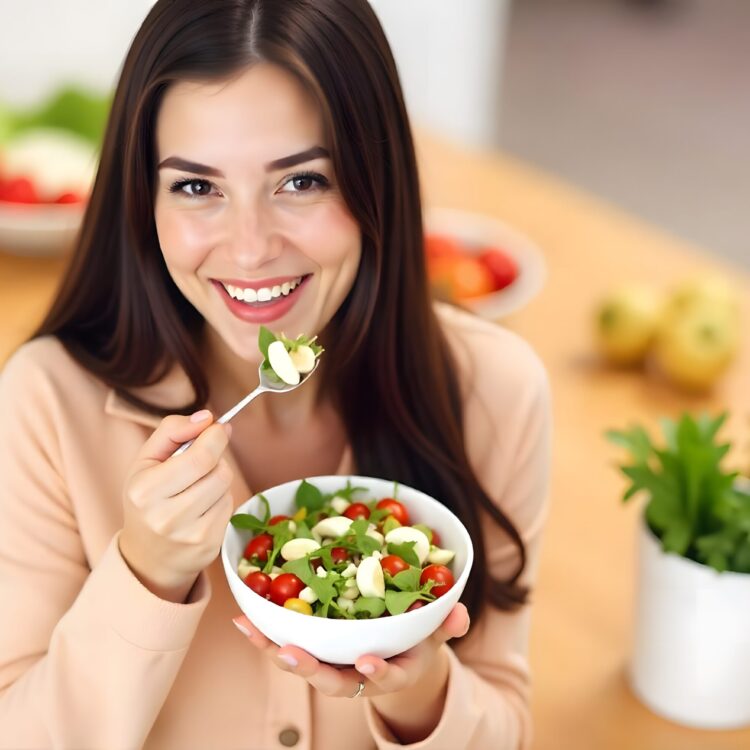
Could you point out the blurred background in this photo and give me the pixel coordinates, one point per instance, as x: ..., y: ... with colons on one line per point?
x: 585, y: 168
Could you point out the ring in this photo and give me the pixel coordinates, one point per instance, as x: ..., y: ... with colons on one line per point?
x: 360, y: 689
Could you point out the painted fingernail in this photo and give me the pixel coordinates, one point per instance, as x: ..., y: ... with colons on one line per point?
x: 366, y: 669
x: 201, y: 416
x: 288, y: 659
x: 245, y: 631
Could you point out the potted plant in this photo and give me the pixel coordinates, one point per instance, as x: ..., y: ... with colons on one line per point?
x: 691, y: 656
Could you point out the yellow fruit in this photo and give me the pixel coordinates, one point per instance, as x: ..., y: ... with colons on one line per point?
x: 694, y: 348
x: 626, y: 323
x: 716, y: 290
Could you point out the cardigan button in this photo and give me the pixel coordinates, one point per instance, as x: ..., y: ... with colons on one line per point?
x: 289, y: 737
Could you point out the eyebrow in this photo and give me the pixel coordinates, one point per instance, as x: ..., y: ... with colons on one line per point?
x: 177, y: 162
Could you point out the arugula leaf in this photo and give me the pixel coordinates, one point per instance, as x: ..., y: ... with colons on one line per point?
x: 303, y: 530
x: 390, y: 524
x: 397, y: 602
x: 264, y: 503
x: 281, y: 534
x: 406, y: 552
x: 369, y: 606
x: 407, y: 580
x: 347, y: 492
x: 308, y: 496
x: 247, y: 521
x: 265, y: 339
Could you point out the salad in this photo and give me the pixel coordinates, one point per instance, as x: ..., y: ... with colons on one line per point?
x: 343, y: 556
x: 286, y: 360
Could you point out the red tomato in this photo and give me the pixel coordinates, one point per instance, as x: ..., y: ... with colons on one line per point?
x: 316, y: 563
x: 356, y: 511
x: 18, y: 190
x: 339, y: 555
x: 395, y: 509
x: 415, y: 605
x: 438, y: 245
x: 69, y: 198
x: 459, y: 277
x: 441, y: 575
x: 503, y: 268
x: 259, y: 547
x: 436, y: 538
x: 393, y: 564
x: 278, y: 519
x: 259, y: 582
x: 285, y: 586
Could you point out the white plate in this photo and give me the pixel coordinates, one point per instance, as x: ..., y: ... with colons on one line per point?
x: 475, y: 231
x: 38, y: 229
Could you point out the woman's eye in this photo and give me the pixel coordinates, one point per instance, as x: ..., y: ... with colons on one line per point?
x: 304, y: 183
x: 194, y: 188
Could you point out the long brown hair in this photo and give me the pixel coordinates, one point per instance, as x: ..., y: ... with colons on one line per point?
x: 120, y: 315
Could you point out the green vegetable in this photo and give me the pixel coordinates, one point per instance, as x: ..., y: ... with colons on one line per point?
x: 694, y: 507
x: 405, y: 551
x: 309, y: 496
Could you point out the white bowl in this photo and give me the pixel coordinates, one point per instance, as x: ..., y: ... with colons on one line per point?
x: 475, y: 231
x: 39, y: 229
x: 344, y: 641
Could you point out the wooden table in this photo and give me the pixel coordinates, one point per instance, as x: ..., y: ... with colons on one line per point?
x: 582, y: 620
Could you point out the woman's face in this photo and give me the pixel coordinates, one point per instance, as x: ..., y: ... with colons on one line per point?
x: 252, y: 225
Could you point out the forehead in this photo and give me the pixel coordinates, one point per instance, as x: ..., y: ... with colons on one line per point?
x: 264, y: 112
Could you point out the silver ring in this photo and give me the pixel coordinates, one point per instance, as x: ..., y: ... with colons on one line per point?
x: 360, y: 689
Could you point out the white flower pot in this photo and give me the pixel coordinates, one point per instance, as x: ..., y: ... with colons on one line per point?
x: 691, y: 660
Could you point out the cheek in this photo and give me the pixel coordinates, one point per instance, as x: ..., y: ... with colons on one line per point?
x: 334, y: 239
x: 184, y: 240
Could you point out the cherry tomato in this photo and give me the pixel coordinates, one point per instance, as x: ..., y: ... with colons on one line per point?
x: 393, y: 564
x: 441, y: 575
x: 259, y: 582
x: 298, y: 605
x: 459, y: 278
x: 339, y: 555
x: 285, y: 586
x: 316, y: 563
x: 503, y: 268
x: 69, y: 198
x: 396, y: 509
x: 356, y: 511
x: 18, y: 190
x: 415, y: 605
x: 259, y: 547
x: 277, y: 519
x: 439, y: 245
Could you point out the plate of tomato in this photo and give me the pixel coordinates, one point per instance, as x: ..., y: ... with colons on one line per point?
x: 481, y: 263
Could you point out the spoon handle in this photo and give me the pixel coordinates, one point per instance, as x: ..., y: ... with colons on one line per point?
x: 224, y: 418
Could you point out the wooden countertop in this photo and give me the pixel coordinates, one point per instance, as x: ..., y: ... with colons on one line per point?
x: 583, y: 602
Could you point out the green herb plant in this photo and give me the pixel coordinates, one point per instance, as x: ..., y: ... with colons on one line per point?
x: 694, y: 506
x: 266, y: 337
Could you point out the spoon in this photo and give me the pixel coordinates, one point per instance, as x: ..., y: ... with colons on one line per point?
x: 265, y: 386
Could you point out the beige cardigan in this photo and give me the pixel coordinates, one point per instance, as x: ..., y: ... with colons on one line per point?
x: 90, y: 659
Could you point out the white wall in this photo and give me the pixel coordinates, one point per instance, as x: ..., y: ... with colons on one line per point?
x: 46, y: 42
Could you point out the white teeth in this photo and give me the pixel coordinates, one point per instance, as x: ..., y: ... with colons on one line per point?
x: 264, y: 294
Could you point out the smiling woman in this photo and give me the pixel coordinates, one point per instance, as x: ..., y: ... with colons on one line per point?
x: 257, y: 168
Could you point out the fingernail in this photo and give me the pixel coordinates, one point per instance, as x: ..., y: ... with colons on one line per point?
x: 366, y: 669
x: 288, y: 659
x: 201, y: 416
x: 243, y: 629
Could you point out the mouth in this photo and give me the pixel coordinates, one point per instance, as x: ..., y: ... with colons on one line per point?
x: 261, y: 301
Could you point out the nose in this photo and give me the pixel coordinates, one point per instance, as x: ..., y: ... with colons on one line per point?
x: 250, y: 239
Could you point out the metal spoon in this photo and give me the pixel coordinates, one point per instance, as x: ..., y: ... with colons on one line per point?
x: 266, y: 385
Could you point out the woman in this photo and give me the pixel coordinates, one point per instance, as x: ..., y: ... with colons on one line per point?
x: 256, y: 149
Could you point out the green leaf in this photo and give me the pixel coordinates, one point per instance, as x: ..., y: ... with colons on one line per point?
x: 677, y: 537
x: 397, y: 602
x: 308, y: 496
x: 303, y: 532
x: 264, y: 502
x: 390, y: 524
x: 426, y: 530
x: 348, y: 491
x: 635, y: 440
x: 247, y: 521
x: 406, y: 552
x: 368, y: 606
x: 265, y: 339
x: 407, y: 580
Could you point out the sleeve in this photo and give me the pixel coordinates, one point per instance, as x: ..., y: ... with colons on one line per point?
x: 487, y: 698
x: 87, y: 656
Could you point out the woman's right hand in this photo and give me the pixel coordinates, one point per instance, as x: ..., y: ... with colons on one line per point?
x: 176, y: 509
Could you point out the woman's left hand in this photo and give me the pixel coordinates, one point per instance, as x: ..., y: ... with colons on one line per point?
x: 381, y: 676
